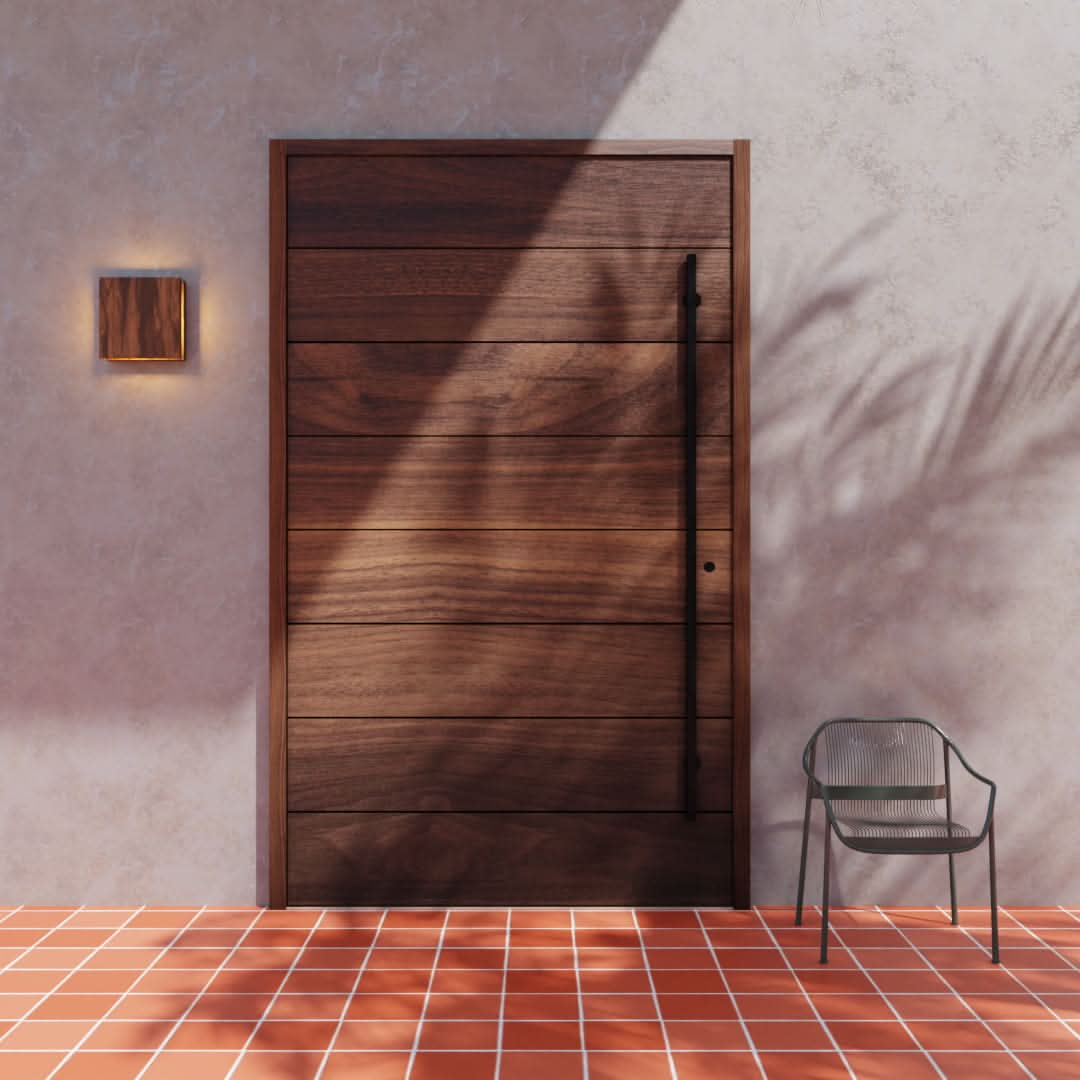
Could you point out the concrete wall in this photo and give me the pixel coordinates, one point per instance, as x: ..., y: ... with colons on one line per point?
x: 917, y: 437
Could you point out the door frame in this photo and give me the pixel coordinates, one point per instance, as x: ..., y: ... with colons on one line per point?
x: 739, y: 152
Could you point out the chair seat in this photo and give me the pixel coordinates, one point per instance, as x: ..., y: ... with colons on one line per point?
x: 915, y: 832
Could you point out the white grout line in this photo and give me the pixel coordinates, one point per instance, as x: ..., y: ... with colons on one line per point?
x: 277, y: 993
x: 350, y: 997
x: 502, y: 998
x: 97, y: 1023
x: 734, y: 1001
x: 805, y: 994
x: 903, y: 1023
x: 427, y: 996
x: 1020, y: 980
x: 655, y: 996
x: 956, y: 993
x: 78, y: 967
x: 580, y: 995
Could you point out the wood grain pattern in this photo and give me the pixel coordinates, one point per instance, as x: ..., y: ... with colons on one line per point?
x: 492, y: 576
x: 502, y: 483
x: 486, y: 295
x: 141, y: 318
x: 741, y: 518
x: 481, y: 671
x: 277, y: 615
x: 673, y: 148
x: 527, y: 764
x: 509, y: 202
x: 502, y: 388
x: 521, y: 859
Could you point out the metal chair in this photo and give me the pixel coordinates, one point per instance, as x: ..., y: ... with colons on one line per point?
x: 882, y: 782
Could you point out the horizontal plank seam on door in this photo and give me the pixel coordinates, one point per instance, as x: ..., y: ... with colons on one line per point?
x: 538, y: 813
x: 725, y: 246
x: 612, y: 149
x: 494, y: 528
x: 466, y: 435
x: 504, y: 622
x: 503, y: 341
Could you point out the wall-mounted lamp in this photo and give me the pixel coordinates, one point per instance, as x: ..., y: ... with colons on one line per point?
x: 141, y: 318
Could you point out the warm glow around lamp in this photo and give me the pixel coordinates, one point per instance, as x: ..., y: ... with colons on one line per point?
x: 141, y: 318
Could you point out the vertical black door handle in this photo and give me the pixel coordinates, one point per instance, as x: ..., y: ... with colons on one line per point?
x: 690, y: 762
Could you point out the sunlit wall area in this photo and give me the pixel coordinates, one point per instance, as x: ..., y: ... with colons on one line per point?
x: 916, y: 417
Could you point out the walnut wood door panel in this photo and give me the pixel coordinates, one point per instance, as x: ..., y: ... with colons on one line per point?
x: 508, y: 202
x: 494, y: 575
x: 537, y: 482
x: 465, y: 670
x: 484, y: 295
x: 502, y: 388
x: 529, y: 764
x: 512, y: 858
x: 491, y: 518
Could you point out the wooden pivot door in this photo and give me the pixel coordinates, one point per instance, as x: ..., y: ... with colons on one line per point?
x: 509, y: 523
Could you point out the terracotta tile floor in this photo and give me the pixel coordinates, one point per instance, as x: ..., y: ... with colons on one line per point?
x: 534, y: 994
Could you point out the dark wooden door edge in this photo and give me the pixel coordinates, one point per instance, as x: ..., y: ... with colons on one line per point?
x: 740, y: 428
x: 277, y: 843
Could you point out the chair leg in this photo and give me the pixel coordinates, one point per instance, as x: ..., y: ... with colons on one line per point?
x: 802, y: 860
x: 825, y: 899
x: 952, y: 890
x: 995, y: 952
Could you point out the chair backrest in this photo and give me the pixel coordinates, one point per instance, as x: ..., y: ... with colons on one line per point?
x: 899, y: 758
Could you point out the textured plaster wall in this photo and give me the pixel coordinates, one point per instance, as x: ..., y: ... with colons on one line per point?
x: 916, y: 417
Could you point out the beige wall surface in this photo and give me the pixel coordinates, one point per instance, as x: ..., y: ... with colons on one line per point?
x: 916, y: 459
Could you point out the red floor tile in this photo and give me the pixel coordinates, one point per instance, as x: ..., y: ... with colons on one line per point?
x: 1052, y: 1065
x: 870, y: 1035
x: 543, y: 1007
x: 188, y: 1064
x: 716, y: 1065
x: 376, y: 1035
x: 643, y: 1007
x: 537, y: 919
x: 706, y: 1035
x: 293, y: 1034
x: 622, y: 1066
x: 697, y: 1007
x: 348, y: 1065
x: 624, y: 1035
x: 114, y: 1066
x: 960, y: 1065
x: 953, y: 1035
x: 803, y: 1066
x: 788, y: 1035
x: 852, y: 1007
x: 774, y: 1007
x: 28, y: 1066
x: 385, y: 1007
x: 541, y: 1035
x: 667, y: 920
x: 278, y: 1065
x: 466, y: 1007
x: 1035, y: 1034
x: 45, y: 1035
x: 878, y: 1066
x: 451, y: 1066
x: 538, y: 1065
x: 638, y: 982
x: 931, y: 1007
x: 459, y: 1035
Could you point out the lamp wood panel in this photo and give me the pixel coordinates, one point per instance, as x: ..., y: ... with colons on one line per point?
x: 141, y: 318
x: 502, y: 388
x: 493, y: 576
x: 483, y: 671
x: 558, y: 859
x: 508, y: 202
x: 489, y: 295
x: 528, y: 764
x: 502, y: 483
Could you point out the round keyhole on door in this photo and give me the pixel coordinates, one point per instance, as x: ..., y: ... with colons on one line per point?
x: 709, y: 567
